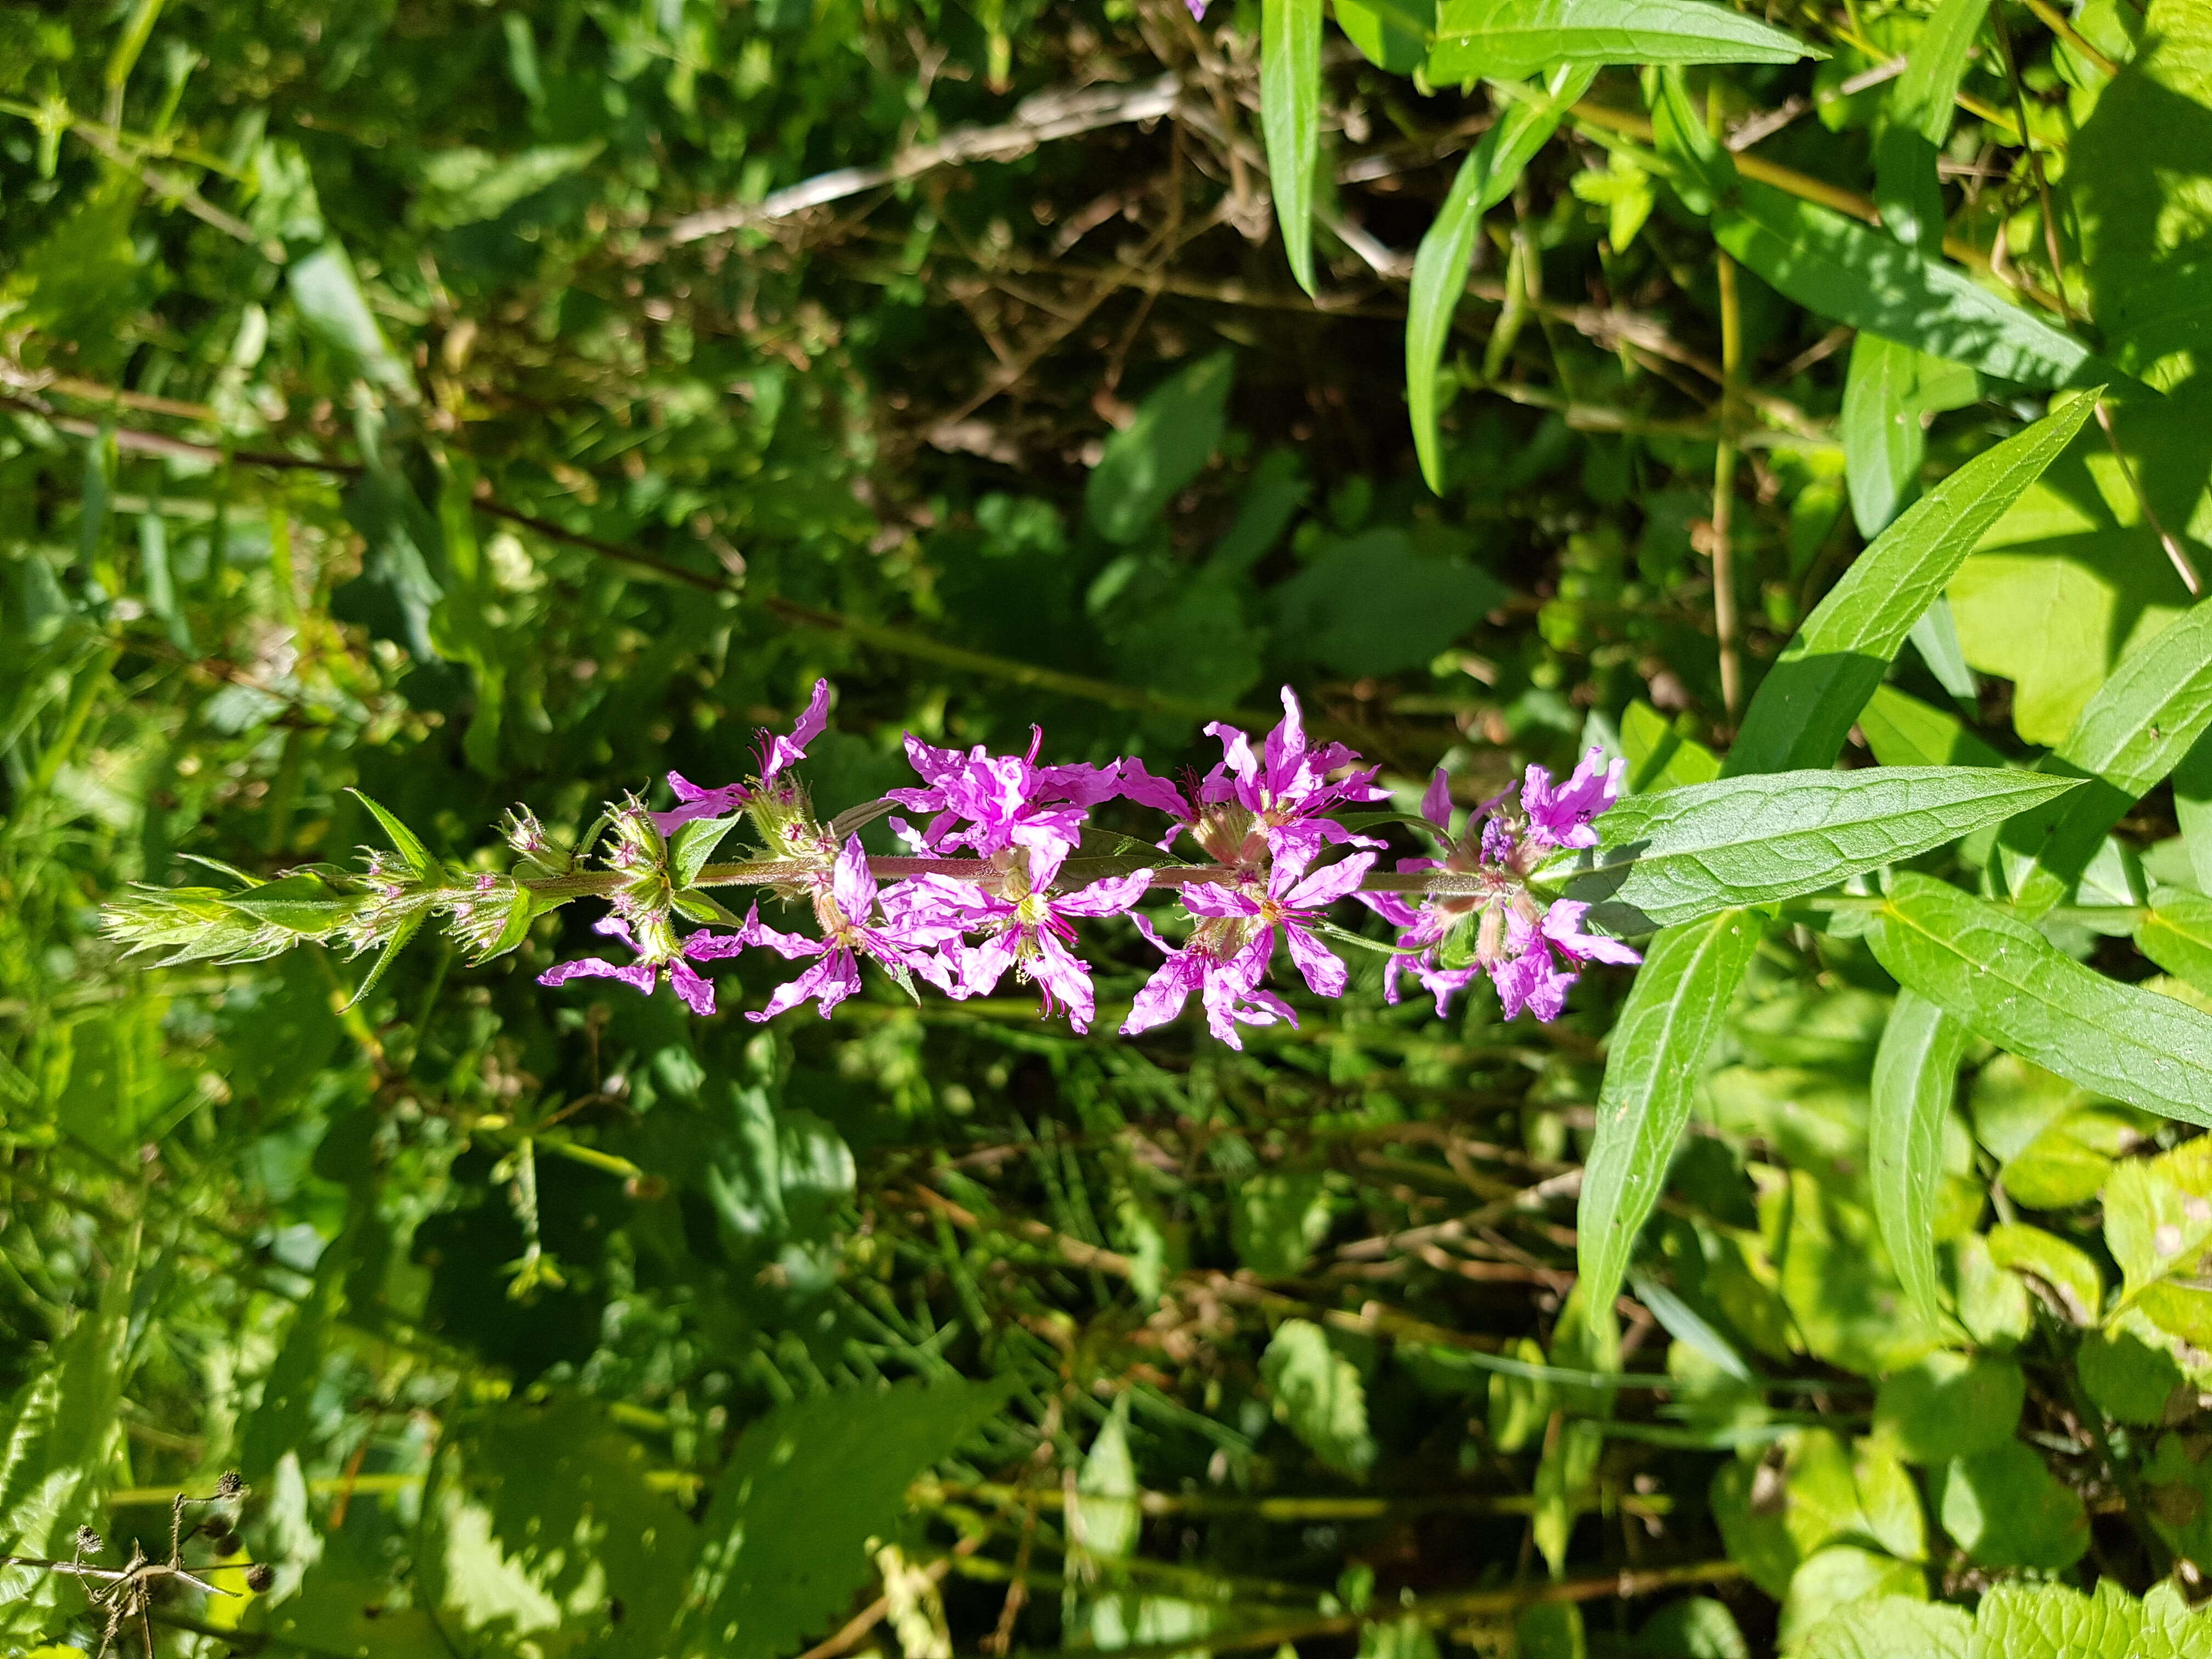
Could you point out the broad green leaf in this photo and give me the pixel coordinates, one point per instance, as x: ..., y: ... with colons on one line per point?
x: 1374, y: 603
x: 2067, y: 1270
x: 1916, y: 1079
x: 1907, y: 189
x: 1839, y: 1576
x: 301, y: 902
x: 1565, y: 1486
x: 2177, y: 1483
x: 1848, y: 272
x: 2155, y: 1227
x: 785, y: 1539
x: 2053, y: 1140
x: 1654, y: 1070
x: 2002, y: 980
x: 2134, y: 731
x: 2057, y: 1622
x: 1289, y: 120
x: 1750, y: 841
x: 406, y: 841
x: 1548, y: 1630
x: 464, y: 185
x: 2139, y: 179
x: 1512, y: 39
x: 1317, y: 1395
x: 1805, y: 706
x: 2176, y: 933
x: 1891, y: 1627
x: 2130, y: 1380
x: 1440, y: 263
x: 2005, y: 1508
x: 1178, y: 427
x: 1903, y: 731
x: 1395, y: 36
x: 693, y: 844
x: 1661, y: 756
x: 1949, y: 1404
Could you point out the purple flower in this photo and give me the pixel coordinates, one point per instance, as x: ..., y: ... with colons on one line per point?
x: 1197, y: 10
x: 698, y: 994
x: 990, y: 802
x: 1030, y: 934
x: 1227, y: 986
x: 1292, y: 905
x: 906, y: 943
x: 1546, y: 956
x: 1423, y: 929
x: 772, y: 754
x: 1561, y: 816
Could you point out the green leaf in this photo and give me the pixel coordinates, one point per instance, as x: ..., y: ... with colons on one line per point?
x: 407, y: 844
x: 1289, y: 120
x: 2130, y: 1380
x: 1903, y: 731
x: 1662, y: 757
x: 2070, y: 1274
x: 1841, y: 1576
x: 1848, y: 272
x: 693, y: 844
x: 1692, y: 1627
x: 1750, y: 841
x: 1805, y: 706
x: 2154, y: 1227
x: 330, y: 300
x: 2176, y: 933
x: 1653, y: 1074
x: 2006, y: 1510
x: 2177, y: 1483
x: 1512, y: 39
x: 1891, y: 1627
x: 1177, y: 428
x: 1317, y: 1394
x: 301, y: 902
x: 1107, y: 1488
x: 1907, y: 189
x: 1916, y: 1081
x: 2001, y: 979
x: 1393, y: 36
x: 1440, y: 263
x: 785, y: 1539
x: 1949, y: 1406
x: 1276, y: 1220
x: 1889, y: 390
x: 1373, y: 604
x: 2192, y: 807
x: 2056, y: 1621
x: 2134, y: 731
x: 464, y: 185
x: 400, y: 938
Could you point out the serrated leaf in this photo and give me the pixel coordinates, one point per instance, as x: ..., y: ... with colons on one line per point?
x: 1848, y: 272
x: 1916, y: 1079
x: 1805, y: 706
x: 1512, y: 39
x: 2002, y: 980
x: 1440, y: 263
x: 1890, y: 1627
x: 784, y: 1540
x: 1653, y: 1073
x: 1748, y: 841
x: 2135, y: 731
x: 407, y: 844
x: 1290, y: 120
x: 2056, y: 1621
x: 389, y: 954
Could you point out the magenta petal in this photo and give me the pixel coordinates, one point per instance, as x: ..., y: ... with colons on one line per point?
x: 615, y: 927
x: 1203, y: 898
x: 1066, y: 979
x: 1325, y: 887
x: 638, y: 975
x: 983, y: 966
x: 1323, y: 971
x: 1109, y: 897
x: 1436, y: 802
x: 783, y: 751
x: 851, y: 884
x: 1135, y: 783
x: 698, y: 994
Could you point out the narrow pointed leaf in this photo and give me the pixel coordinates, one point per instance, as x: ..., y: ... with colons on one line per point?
x: 1916, y: 1076
x: 693, y: 844
x: 1515, y: 38
x: 1805, y: 706
x: 389, y: 954
x: 1440, y: 265
x: 1849, y: 272
x: 1289, y: 120
x: 1709, y: 847
x: 2137, y: 728
x: 1907, y: 187
x: 1999, y: 977
x: 1652, y: 1074
x: 2192, y: 806
x: 406, y: 840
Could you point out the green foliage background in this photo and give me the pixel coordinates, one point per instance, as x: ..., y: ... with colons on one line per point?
x: 371, y: 414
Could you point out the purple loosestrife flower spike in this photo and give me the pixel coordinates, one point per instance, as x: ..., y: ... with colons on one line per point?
x: 773, y: 753
x: 1561, y: 816
x: 1227, y: 986
x: 990, y: 802
x: 1549, y: 954
x: 697, y: 994
x: 1293, y: 905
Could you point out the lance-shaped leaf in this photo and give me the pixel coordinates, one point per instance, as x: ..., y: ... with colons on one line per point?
x: 1440, y: 263
x: 387, y: 955
x: 1512, y: 39
x: 1652, y: 1071
x: 1290, y: 120
x: 1831, y: 666
x: 1709, y: 847
x: 301, y: 902
x: 1999, y: 977
x: 1849, y: 272
x: 2136, y: 730
x: 1916, y: 1078
x: 1906, y: 186
x: 409, y: 844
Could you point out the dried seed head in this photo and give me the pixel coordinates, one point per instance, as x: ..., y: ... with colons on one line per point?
x: 228, y: 1544
x: 88, y: 1540
x: 230, y: 1484
x: 260, y: 1577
